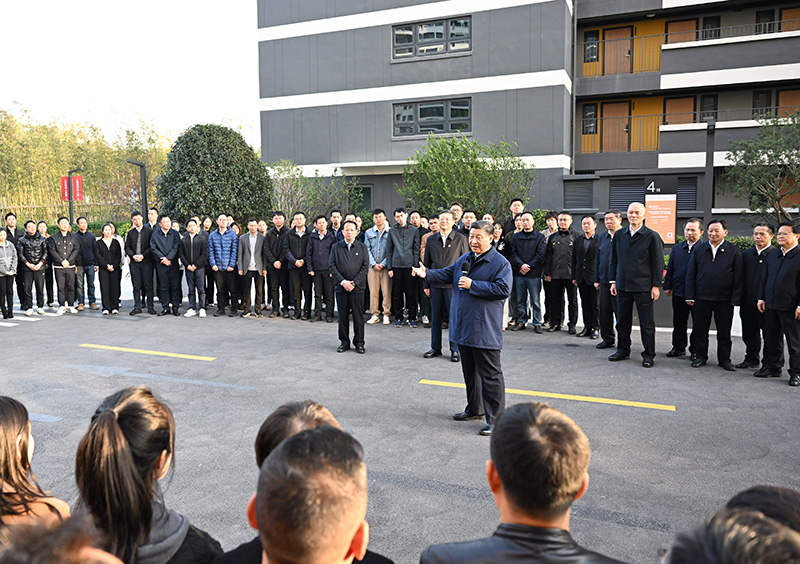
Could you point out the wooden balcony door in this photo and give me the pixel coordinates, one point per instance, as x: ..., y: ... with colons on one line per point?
x: 616, y: 127
x: 678, y: 110
x: 788, y: 102
x: 787, y: 17
x: 681, y: 32
x: 618, y: 50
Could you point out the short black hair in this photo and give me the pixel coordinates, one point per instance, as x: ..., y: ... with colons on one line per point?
x: 469, y: 211
x: 589, y: 216
x: 191, y: 220
x: 399, y: 210
x: 769, y: 226
x: 378, y: 211
x: 134, y: 214
x: 320, y: 216
x: 280, y: 213
x: 551, y: 214
x: 722, y: 222
x: 336, y: 210
x: 81, y: 218
x: 254, y: 220
x: 153, y: 209
x: 511, y: 203
x: 485, y: 226
x: 11, y: 214
x: 457, y: 204
x: 781, y: 504
x: 564, y: 212
x: 792, y: 224
x: 696, y: 220
x: 615, y: 211
x: 60, y: 218
x: 25, y: 225
x: 350, y: 221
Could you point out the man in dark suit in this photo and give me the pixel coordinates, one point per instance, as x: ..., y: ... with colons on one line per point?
x: 165, y: 244
x: 277, y: 267
x: 675, y: 285
x: 754, y: 262
x: 348, y: 264
x: 538, y: 468
x: 714, y: 287
x: 558, y: 271
x: 528, y: 250
x: 137, y: 247
x: 194, y: 256
x: 250, y: 258
x: 779, y: 301
x: 441, y: 250
x: 607, y: 304
x: 583, y: 259
x: 318, y: 255
x: 637, y: 263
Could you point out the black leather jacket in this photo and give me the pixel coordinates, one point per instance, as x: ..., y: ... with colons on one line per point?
x: 515, y: 543
x: 63, y: 247
x: 32, y: 249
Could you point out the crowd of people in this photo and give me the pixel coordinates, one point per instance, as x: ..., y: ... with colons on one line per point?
x: 310, y: 502
x: 288, y: 268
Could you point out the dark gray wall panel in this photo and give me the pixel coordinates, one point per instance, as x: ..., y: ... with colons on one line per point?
x: 628, y: 83
x: 294, y: 76
x: 267, y: 65
x: 604, y: 8
x: 277, y: 136
x: 331, y: 71
x: 775, y: 51
x: 616, y: 161
x: 351, y: 133
x: 315, y: 134
x: 280, y: 12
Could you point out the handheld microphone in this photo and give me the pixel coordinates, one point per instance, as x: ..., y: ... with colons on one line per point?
x: 464, y: 268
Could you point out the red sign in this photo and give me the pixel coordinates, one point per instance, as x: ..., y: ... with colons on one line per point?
x: 77, y: 189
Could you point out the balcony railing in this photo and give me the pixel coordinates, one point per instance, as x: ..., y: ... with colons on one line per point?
x: 643, y: 53
x: 641, y: 133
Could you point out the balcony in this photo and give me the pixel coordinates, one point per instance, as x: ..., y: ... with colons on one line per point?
x: 643, y: 54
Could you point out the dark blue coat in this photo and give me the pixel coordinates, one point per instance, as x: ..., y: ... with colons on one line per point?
x: 715, y: 279
x: 223, y: 249
x: 780, y: 285
x: 753, y: 267
x: 530, y: 249
x: 679, y: 257
x: 602, y: 258
x: 165, y: 245
x: 318, y: 251
x: 637, y: 262
x: 476, y: 315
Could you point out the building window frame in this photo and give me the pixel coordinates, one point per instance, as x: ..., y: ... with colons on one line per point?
x: 711, y: 27
x: 591, y: 46
x: 589, y: 119
x: 765, y: 21
x: 762, y: 107
x: 440, y: 117
x: 422, y: 40
x: 709, y: 106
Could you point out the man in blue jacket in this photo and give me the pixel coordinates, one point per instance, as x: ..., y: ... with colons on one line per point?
x: 223, y: 250
x: 483, y: 278
x: 165, y: 244
x: 318, y: 255
x: 607, y: 304
x: 675, y: 285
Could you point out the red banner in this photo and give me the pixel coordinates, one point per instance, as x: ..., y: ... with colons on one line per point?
x: 77, y: 189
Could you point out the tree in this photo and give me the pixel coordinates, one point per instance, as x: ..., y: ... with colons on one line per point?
x: 313, y: 195
x: 212, y: 169
x: 453, y: 168
x: 764, y: 170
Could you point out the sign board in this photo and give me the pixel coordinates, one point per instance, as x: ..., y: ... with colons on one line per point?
x: 77, y: 189
x: 660, y: 215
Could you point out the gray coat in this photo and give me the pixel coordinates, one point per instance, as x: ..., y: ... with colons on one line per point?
x: 402, y: 247
x: 244, y: 252
x: 8, y: 259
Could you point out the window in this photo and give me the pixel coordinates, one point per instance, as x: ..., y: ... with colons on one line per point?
x: 711, y: 27
x: 578, y: 195
x: 438, y: 116
x: 762, y: 103
x: 432, y: 38
x: 708, y: 107
x: 687, y: 193
x: 589, y: 119
x: 591, y: 48
x: 765, y: 21
x: 364, y: 202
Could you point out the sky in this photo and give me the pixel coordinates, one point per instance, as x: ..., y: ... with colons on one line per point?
x: 171, y: 63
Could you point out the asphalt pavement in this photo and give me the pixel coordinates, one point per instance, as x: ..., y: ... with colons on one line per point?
x: 669, y: 445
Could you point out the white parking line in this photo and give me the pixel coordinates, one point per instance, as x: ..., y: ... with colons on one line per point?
x: 25, y: 318
x: 8, y: 324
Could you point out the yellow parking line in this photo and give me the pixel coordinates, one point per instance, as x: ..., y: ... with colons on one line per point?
x: 154, y: 353
x: 591, y: 399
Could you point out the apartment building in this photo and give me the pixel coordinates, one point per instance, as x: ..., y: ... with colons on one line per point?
x: 607, y: 98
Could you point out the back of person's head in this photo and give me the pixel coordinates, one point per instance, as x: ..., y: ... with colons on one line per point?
x: 541, y: 457
x: 737, y: 536
x: 780, y: 504
x: 15, y: 462
x: 312, y: 499
x: 289, y: 419
x: 52, y: 542
x: 127, y: 448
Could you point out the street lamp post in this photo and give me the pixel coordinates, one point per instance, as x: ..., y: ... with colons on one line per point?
x: 142, y: 182
x: 69, y: 192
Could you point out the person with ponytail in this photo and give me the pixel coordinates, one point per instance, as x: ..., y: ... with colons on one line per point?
x: 127, y: 449
x: 22, y: 501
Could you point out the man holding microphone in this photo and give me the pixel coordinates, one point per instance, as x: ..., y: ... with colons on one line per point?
x: 483, y: 278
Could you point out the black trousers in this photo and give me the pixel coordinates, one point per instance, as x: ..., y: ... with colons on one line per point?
x: 300, y: 284
x: 110, y: 283
x: 680, y: 323
x: 403, y: 284
x: 65, y: 280
x: 512, y: 301
x: 589, y: 306
x: 209, y: 286
x: 647, y: 322
x: 778, y: 324
x: 142, y: 281
x: 251, y: 277
x: 723, y: 319
x: 440, y: 311
x: 279, y: 286
x: 7, y: 294
x: 557, y: 288
x: 548, y: 308
x: 29, y: 278
x: 607, y: 312
x: 351, y: 302
x: 323, y: 292
x: 486, y: 389
x: 49, y: 281
x: 197, y: 290
x: 423, y: 300
x: 225, y: 281
x: 752, y: 330
x: 169, y: 285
